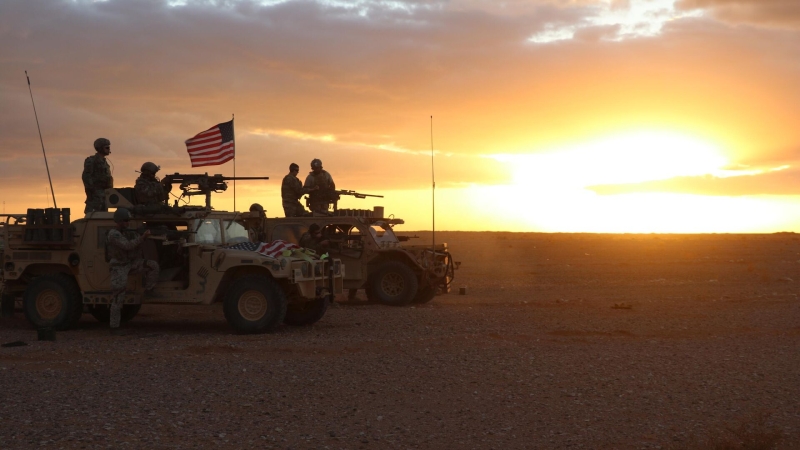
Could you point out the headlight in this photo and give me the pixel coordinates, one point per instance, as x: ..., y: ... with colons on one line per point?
x: 337, y: 267
x: 306, y: 269
x: 284, y: 262
x: 318, y: 269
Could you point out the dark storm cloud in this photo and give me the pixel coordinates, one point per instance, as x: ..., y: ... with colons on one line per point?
x: 784, y: 13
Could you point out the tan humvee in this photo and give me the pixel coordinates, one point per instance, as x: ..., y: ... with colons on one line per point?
x: 390, y: 270
x: 58, y: 268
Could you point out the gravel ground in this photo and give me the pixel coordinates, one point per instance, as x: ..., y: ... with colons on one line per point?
x: 705, y: 337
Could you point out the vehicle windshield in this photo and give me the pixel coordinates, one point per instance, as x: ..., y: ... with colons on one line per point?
x: 235, y: 232
x: 208, y: 231
x: 382, y: 233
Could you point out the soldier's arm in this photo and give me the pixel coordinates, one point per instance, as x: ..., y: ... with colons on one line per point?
x: 309, y: 184
x: 116, y: 239
x: 298, y: 190
x: 87, y: 172
x: 333, y: 185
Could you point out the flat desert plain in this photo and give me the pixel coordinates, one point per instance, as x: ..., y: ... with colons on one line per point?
x: 701, y: 351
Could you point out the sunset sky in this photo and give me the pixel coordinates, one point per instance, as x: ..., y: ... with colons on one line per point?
x: 548, y: 115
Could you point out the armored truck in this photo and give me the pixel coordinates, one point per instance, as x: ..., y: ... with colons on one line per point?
x: 383, y: 264
x: 59, y: 268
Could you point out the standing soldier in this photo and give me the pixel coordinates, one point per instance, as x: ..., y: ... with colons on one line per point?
x: 319, y: 184
x: 125, y: 253
x: 148, y: 188
x: 291, y: 191
x: 97, y: 176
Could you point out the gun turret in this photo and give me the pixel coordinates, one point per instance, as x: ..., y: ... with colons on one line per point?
x: 202, y: 184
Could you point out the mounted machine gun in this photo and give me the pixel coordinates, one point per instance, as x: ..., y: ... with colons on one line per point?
x: 201, y: 184
x: 332, y: 196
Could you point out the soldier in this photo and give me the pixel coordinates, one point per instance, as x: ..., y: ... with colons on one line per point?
x: 148, y: 189
x: 291, y: 191
x: 320, y: 184
x: 97, y: 176
x: 125, y: 253
x: 259, y: 234
x: 313, y: 239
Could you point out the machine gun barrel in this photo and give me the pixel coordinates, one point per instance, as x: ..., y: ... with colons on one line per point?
x: 202, y: 184
x: 357, y: 194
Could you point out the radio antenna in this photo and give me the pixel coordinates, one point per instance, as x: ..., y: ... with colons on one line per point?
x: 52, y: 193
x: 433, y: 203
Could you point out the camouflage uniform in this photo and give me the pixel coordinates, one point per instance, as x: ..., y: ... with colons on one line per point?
x: 318, y: 202
x: 126, y: 259
x: 309, y: 241
x: 96, y: 178
x: 149, y: 190
x: 291, y: 191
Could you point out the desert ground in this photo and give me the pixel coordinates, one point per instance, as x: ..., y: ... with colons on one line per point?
x: 562, y: 341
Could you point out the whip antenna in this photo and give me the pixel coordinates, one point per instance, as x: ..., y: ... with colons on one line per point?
x: 41, y: 140
x: 433, y: 203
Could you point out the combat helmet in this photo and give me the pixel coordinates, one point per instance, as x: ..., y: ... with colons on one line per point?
x: 316, y: 164
x: 99, y: 143
x: 122, y: 215
x: 256, y: 207
x: 150, y: 167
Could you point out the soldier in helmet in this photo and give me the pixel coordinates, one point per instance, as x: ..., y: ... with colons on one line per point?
x: 257, y: 234
x: 97, y: 176
x: 291, y: 191
x: 319, y: 184
x: 313, y: 240
x: 126, y: 257
x: 148, y: 189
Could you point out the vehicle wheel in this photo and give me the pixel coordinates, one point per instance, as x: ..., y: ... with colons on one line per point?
x: 255, y: 304
x: 394, y: 283
x: 103, y: 312
x: 301, y: 314
x: 425, y: 294
x: 53, y: 301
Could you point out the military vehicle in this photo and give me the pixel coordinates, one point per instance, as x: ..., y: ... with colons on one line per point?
x: 60, y: 268
x: 377, y: 260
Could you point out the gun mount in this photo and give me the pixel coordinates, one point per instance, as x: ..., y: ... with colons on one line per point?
x: 202, y: 184
x: 332, y: 196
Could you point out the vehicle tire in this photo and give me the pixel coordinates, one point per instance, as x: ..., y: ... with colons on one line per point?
x: 255, y: 304
x: 425, y: 294
x: 394, y: 284
x: 103, y: 312
x: 308, y: 313
x: 52, y: 301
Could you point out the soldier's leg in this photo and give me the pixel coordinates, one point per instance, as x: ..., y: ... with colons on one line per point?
x: 149, y: 270
x: 299, y: 210
x: 288, y: 210
x: 119, y: 281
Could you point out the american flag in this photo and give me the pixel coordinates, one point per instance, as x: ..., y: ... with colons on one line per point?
x: 272, y: 249
x: 213, y: 146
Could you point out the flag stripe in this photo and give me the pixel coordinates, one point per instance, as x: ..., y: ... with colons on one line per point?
x: 213, y: 146
x: 272, y: 249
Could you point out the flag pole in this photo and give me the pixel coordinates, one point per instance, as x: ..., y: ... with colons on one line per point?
x: 433, y: 203
x: 42, y: 141
x: 234, y: 163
